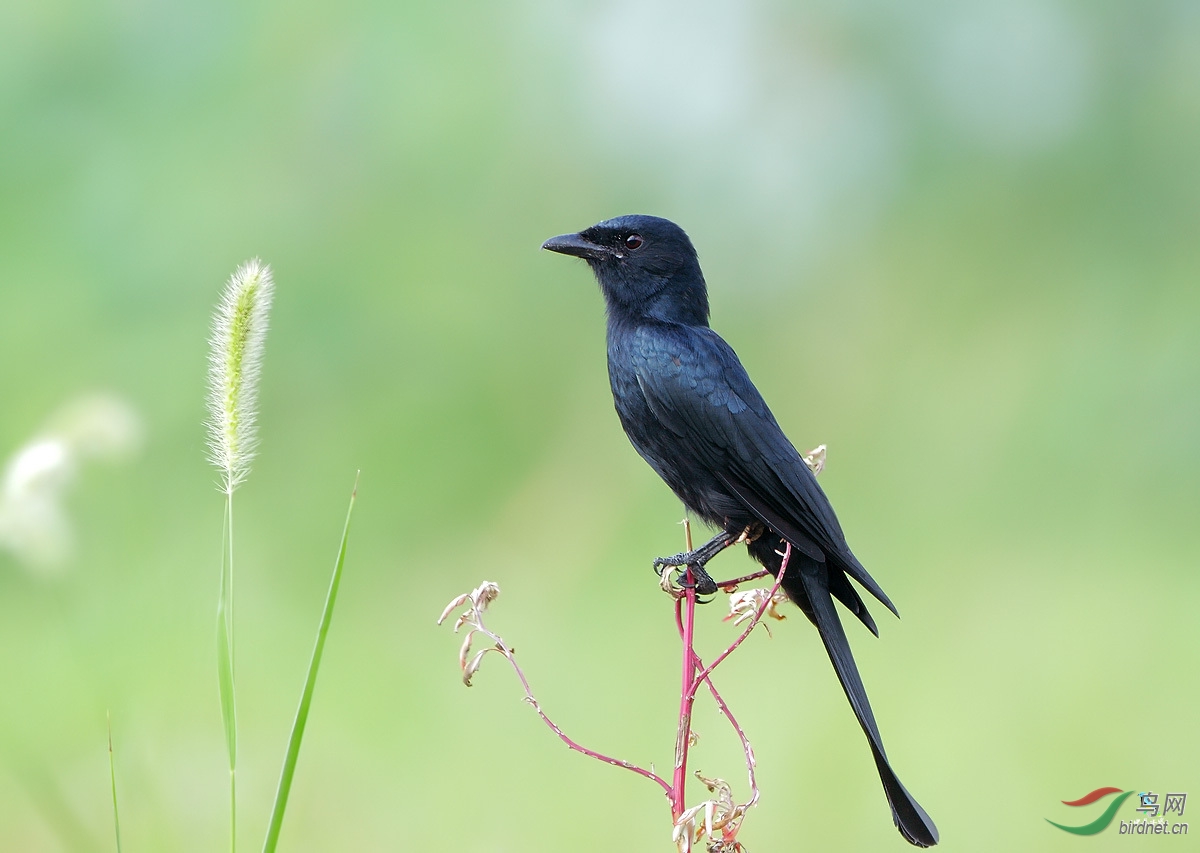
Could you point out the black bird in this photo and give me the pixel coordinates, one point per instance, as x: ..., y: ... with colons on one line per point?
x: 691, y: 411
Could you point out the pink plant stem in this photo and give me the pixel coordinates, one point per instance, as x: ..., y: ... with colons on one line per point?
x: 599, y: 756
x: 692, y: 682
x: 685, y: 610
x: 751, y: 761
x: 758, y: 614
x: 761, y: 573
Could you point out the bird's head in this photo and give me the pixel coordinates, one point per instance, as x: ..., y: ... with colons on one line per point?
x: 646, y: 267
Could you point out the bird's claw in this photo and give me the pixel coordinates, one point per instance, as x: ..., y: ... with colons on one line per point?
x: 666, y: 580
x: 674, y: 585
x: 675, y: 562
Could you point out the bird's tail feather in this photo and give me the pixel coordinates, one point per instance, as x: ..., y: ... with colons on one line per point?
x: 912, y: 821
x: 844, y: 591
x: 803, y: 545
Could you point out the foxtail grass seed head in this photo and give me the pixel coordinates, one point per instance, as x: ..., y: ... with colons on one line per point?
x: 235, y: 360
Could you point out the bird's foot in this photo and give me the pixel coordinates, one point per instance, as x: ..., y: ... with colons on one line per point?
x: 695, y: 561
x: 661, y: 563
x: 673, y: 571
x: 702, y: 582
x: 752, y: 532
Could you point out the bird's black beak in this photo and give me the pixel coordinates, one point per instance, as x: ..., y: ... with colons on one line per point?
x: 577, y: 245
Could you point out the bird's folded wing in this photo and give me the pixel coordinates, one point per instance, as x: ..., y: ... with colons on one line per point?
x: 696, y: 387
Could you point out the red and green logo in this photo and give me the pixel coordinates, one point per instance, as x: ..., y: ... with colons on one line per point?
x: 1101, y: 823
x: 1154, y: 819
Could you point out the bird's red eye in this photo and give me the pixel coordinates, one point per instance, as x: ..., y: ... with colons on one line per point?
x: 633, y: 241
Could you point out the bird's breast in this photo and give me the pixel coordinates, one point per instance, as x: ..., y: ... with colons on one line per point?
x: 669, y: 454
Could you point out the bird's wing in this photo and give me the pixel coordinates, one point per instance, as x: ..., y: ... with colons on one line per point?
x: 696, y: 387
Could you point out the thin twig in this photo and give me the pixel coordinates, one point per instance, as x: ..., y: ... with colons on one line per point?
x: 686, y: 619
x: 747, y: 748
x: 719, y: 813
x: 762, y: 608
x: 687, y: 695
x: 730, y: 819
x: 554, y: 727
x: 725, y: 585
x: 474, y: 619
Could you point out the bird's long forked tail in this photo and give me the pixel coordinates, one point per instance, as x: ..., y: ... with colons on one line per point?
x: 912, y: 821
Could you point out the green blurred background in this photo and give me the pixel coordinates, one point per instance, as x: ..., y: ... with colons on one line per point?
x: 956, y: 242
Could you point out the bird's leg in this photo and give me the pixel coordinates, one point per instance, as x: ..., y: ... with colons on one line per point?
x: 695, y: 560
x: 701, y: 555
x: 751, y: 533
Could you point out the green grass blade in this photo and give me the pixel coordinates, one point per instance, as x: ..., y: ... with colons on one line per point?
x: 293, y: 750
x: 112, y: 775
x: 225, y: 664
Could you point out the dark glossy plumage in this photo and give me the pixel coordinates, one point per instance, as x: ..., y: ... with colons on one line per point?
x: 691, y: 411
